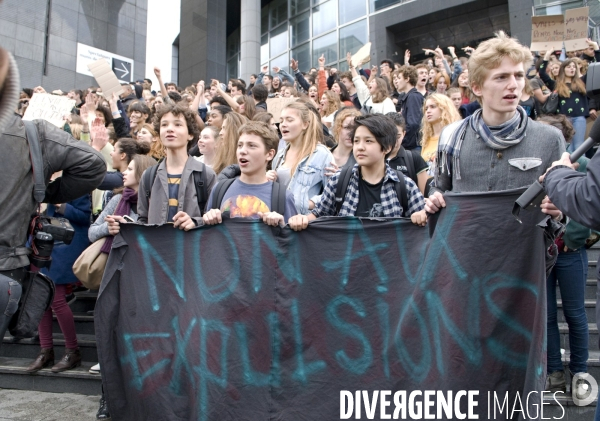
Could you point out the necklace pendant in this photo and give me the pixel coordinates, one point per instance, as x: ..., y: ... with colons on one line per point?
x: 499, y: 155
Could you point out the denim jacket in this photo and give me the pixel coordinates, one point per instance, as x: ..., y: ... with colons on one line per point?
x: 309, y: 179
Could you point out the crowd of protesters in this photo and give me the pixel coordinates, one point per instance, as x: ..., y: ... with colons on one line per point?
x: 398, y: 135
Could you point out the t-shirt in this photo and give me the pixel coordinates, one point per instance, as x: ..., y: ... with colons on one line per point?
x: 174, y: 181
x: 419, y: 164
x: 429, y: 152
x: 243, y: 200
x: 536, y: 83
x: 529, y: 107
x: 369, y: 199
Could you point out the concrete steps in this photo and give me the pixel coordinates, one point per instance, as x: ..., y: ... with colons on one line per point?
x: 17, y: 354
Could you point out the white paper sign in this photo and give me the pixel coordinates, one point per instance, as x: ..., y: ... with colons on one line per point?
x: 86, y: 55
x: 49, y: 107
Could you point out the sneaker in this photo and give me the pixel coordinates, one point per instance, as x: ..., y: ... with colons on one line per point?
x: 95, y: 369
x: 555, y: 382
x: 103, y: 413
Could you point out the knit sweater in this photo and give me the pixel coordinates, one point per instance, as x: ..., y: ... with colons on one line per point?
x: 485, y: 169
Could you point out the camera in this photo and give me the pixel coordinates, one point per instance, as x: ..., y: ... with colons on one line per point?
x: 46, y: 231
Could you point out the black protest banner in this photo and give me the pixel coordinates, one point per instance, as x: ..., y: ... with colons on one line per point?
x: 244, y: 322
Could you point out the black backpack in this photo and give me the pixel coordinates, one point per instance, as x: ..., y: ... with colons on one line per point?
x: 200, y: 183
x: 410, y: 164
x: 277, y: 195
x: 344, y: 179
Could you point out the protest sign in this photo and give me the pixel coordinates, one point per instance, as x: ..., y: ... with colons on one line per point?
x: 576, y: 28
x: 363, y: 55
x: 547, y: 32
x: 275, y: 105
x: 105, y: 77
x: 51, y: 108
x: 244, y: 321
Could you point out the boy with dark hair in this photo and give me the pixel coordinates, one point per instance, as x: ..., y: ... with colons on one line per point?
x: 260, y: 94
x: 422, y: 77
x: 371, y: 188
x: 411, y: 164
x: 237, y: 88
x: 218, y: 100
x: 172, y: 87
x: 252, y: 195
x: 410, y: 104
x: 386, y: 67
x: 346, y: 79
x: 180, y: 193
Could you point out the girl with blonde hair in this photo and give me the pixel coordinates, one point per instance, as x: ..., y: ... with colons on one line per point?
x: 228, y: 138
x: 438, y: 112
x: 330, y: 103
x: 148, y: 135
x: 300, y: 166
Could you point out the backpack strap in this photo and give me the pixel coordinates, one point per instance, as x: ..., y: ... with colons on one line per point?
x: 219, y: 192
x: 201, y: 185
x: 278, y: 198
x: 342, y: 186
x: 402, y: 192
x: 410, y: 165
x: 149, y: 176
x: 37, y: 163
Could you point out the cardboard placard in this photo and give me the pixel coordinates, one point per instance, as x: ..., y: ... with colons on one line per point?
x: 547, y: 32
x: 275, y: 105
x: 105, y: 77
x: 576, y: 28
x: 363, y: 55
x: 49, y: 107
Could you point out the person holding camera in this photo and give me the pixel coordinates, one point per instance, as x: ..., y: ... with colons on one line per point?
x: 78, y: 212
x: 82, y: 167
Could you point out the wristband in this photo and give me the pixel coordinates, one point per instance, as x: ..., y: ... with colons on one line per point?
x: 116, y: 114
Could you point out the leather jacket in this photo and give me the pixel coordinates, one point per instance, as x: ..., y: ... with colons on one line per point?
x: 82, y: 167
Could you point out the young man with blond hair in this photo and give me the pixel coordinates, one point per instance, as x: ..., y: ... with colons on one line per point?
x: 498, y: 147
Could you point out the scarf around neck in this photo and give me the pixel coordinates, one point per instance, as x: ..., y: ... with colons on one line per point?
x: 129, y: 197
x: 507, y: 134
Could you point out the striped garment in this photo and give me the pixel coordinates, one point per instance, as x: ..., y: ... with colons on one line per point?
x: 173, y: 180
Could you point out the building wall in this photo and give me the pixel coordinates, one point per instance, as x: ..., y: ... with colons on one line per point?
x: 429, y: 23
x: 116, y: 26
x: 202, y: 41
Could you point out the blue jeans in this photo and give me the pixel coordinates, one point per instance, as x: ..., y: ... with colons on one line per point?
x: 579, y: 125
x: 10, y: 294
x: 571, y: 273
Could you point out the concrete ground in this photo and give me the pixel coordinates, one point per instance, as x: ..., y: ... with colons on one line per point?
x: 24, y: 405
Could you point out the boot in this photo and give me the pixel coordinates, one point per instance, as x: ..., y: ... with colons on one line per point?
x: 45, y: 359
x: 71, y: 360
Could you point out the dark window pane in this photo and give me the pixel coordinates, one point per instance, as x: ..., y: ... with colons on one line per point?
x: 302, y: 56
x: 279, y: 40
x: 282, y: 62
x: 324, y: 17
x: 382, y: 4
x: 352, y: 37
x: 278, y: 12
x: 299, y: 29
x: 351, y: 10
x: 264, y: 20
x: 298, y: 6
x: 326, y: 45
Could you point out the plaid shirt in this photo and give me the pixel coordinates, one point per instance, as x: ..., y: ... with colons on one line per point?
x: 389, y: 200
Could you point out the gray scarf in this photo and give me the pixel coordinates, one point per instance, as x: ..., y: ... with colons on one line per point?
x: 499, y: 137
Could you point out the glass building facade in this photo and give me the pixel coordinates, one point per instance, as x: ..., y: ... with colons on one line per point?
x: 306, y: 29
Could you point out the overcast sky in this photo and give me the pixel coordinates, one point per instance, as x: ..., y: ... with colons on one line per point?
x: 163, y: 28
